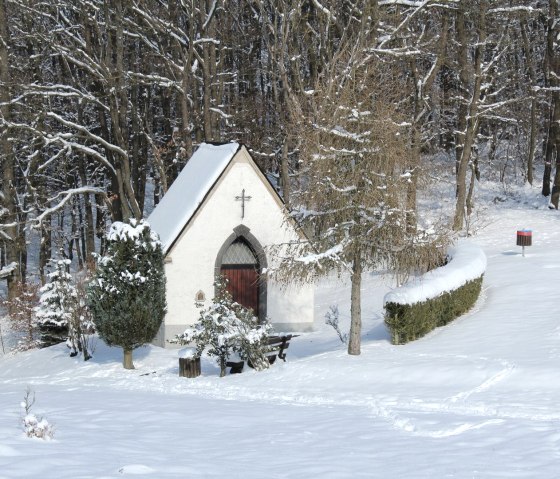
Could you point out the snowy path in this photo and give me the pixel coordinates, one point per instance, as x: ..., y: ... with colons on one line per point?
x: 477, y: 398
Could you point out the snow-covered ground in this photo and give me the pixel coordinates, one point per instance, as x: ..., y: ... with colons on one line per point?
x: 478, y: 398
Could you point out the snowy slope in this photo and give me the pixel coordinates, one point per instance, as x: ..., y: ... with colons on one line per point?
x: 475, y: 399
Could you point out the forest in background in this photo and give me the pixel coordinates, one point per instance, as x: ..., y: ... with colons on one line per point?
x: 99, y: 97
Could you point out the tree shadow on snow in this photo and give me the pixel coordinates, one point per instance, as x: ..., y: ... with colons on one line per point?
x: 104, y: 354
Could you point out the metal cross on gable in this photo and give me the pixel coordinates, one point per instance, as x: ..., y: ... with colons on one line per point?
x: 243, y: 199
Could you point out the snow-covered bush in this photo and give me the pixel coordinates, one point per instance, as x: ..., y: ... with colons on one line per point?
x: 438, y: 297
x: 226, y: 327
x: 252, y: 339
x: 127, y: 293
x: 32, y: 425
x: 62, y: 314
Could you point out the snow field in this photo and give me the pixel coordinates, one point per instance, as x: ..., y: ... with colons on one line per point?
x: 475, y: 399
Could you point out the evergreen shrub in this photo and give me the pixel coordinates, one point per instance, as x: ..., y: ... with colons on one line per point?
x: 226, y: 328
x: 127, y: 293
x: 408, y: 322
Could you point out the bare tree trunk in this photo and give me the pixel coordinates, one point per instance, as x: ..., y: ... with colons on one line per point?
x: 207, y: 78
x: 118, y: 105
x: 355, y: 337
x: 533, y: 127
x: 422, y: 93
x: 127, y: 359
x: 468, y: 135
x: 89, y: 227
x: 463, y: 63
x: 548, y: 153
x: 285, y: 173
x: 7, y: 156
x: 553, y: 74
x: 469, y: 199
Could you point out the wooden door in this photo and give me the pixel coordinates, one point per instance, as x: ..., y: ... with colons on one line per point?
x: 243, y: 285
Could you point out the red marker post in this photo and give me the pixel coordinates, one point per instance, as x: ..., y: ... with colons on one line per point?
x: 524, y: 238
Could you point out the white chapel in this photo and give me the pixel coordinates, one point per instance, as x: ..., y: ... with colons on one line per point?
x: 218, y: 218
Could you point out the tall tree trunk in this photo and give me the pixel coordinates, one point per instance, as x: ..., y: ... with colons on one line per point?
x: 285, y: 173
x: 355, y: 337
x: 7, y: 156
x: 553, y: 54
x: 548, y: 153
x: 468, y: 135
x: 533, y: 127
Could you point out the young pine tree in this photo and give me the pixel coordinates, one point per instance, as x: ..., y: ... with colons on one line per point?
x: 62, y: 314
x: 127, y: 293
x: 56, y: 304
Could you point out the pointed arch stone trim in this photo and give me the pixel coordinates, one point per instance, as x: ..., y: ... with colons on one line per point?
x: 242, y: 231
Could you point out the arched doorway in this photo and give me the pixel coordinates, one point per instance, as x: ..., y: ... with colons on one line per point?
x: 241, y: 260
x: 240, y: 267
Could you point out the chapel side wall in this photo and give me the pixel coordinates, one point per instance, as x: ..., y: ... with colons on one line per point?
x: 194, y: 254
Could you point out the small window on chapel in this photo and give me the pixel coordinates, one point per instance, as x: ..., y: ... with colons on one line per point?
x: 200, y: 297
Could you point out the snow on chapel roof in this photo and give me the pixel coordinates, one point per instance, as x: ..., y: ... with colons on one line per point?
x: 188, y: 191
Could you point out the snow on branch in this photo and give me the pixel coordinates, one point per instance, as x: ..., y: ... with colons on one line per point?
x: 343, y: 133
x: 221, y: 113
x: 156, y: 79
x: 516, y: 9
x: 67, y: 195
x: 61, y: 91
x: 62, y: 138
x: 418, y: 5
x: 537, y: 89
x: 206, y: 40
x: 210, y: 15
x: 324, y: 9
x: 331, y: 254
x: 86, y: 150
x: 88, y: 133
x: 8, y: 270
x: 396, y: 52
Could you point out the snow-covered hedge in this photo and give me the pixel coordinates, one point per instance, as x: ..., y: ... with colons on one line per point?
x: 438, y: 297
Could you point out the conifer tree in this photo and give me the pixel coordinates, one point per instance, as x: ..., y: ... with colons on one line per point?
x: 56, y: 304
x: 127, y: 293
x: 62, y: 314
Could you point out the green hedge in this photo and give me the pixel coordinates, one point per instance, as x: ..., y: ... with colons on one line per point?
x: 408, y: 322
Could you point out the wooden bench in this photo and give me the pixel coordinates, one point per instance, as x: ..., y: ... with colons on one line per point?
x: 277, y: 346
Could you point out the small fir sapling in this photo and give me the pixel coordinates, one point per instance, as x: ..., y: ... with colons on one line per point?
x: 225, y: 328
x: 127, y: 293
x: 62, y: 314
x: 331, y: 318
x: 33, y: 426
x: 57, y: 300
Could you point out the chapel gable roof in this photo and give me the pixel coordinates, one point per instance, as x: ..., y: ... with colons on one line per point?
x: 189, y: 190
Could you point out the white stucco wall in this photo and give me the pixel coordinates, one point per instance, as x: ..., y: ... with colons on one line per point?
x: 191, y: 261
